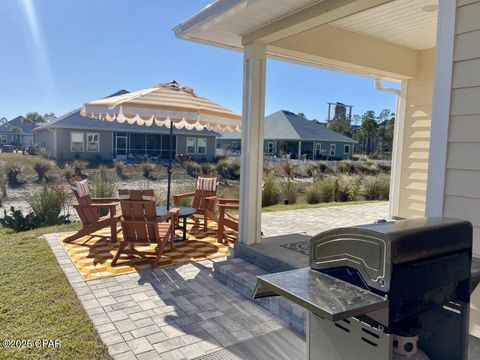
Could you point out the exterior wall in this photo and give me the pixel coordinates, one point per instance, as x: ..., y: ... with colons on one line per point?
x: 462, y: 173
x: 17, y: 139
x: 45, y: 138
x: 182, y: 147
x: 64, y: 151
x: 416, y: 139
x: 462, y: 193
x: 307, y: 147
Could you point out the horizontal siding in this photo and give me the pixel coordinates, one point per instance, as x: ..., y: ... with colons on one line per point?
x: 465, y: 101
x: 463, y: 183
x: 467, y: 18
x: 461, y: 156
x: 466, y: 73
x: 465, y: 2
x: 464, y: 128
x: 466, y: 46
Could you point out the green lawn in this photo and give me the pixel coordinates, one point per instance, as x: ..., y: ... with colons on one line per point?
x: 37, y: 302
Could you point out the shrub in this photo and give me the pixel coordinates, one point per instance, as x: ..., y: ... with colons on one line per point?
x: 103, y: 171
x: 43, y: 152
x: 147, y: 170
x: 344, y: 167
x: 384, y: 167
x: 192, y: 168
x: 47, y: 207
x: 289, y: 168
x: 208, y: 168
x: 377, y: 188
x: 311, y: 168
x: 64, y: 193
x: 228, y: 168
x: 13, y: 170
x: 102, y: 187
x: 270, y: 193
x: 313, y: 193
x: 323, y: 167
x: 68, y: 172
x: 290, y: 191
x: 328, y: 189
x: 3, y: 187
x: 42, y: 167
x: 19, y: 222
x: 353, y: 189
x: 183, y: 159
x: 78, y: 166
x: 268, y: 168
x: 120, y: 168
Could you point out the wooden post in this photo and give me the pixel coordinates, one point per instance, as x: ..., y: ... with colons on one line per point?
x: 252, y: 142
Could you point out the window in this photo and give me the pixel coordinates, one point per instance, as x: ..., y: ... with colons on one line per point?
x: 76, y: 144
x: 93, y: 142
x: 346, y: 149
x: 3, y: 139
x: 332, y: 149
x: 201, y: 146
x: 234, y: 145
x: 270, y: 147
x: 318, y: 149
x: 191, y: 144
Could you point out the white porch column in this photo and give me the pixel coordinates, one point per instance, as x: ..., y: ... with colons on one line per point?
x: 299, y: 150
x: 252, y: 142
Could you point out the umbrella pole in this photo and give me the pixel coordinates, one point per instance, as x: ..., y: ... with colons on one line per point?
x: 169, y: 170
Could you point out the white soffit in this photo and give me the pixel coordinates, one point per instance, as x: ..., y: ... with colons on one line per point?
x: 411, y: 23
x: 230, y: 19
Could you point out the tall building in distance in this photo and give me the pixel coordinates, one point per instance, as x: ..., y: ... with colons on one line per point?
x: 339, y: 111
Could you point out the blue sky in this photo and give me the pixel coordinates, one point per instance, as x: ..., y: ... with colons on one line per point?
x: 57, y: 54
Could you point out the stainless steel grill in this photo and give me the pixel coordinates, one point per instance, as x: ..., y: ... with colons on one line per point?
x: 373, y: 290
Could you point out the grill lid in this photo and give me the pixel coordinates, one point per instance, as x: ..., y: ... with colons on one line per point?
x: 373, y: 249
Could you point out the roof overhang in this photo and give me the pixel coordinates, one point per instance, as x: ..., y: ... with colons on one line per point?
x: 378, y: 38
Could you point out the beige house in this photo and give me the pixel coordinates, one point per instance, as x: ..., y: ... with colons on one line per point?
x: 430, y: 47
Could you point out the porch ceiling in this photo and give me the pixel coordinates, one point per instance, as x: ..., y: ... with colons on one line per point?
x: 385, y: 33
x: 411, y: 23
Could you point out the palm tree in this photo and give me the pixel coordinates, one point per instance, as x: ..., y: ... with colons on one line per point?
x: 33, y: 118
x: 16, y: 134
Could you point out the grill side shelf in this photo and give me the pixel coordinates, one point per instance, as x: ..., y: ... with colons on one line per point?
x: 324, y: 295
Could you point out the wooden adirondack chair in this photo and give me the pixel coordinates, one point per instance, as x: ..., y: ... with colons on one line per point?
x: 204, y: 199
x: 141, y: 225
x: 225, y: 219
x: 88, y: 210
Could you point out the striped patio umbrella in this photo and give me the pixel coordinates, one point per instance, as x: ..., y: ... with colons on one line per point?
x: 170, y: 105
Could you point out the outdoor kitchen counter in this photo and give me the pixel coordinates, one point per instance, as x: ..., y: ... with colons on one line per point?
x: 325, y: 296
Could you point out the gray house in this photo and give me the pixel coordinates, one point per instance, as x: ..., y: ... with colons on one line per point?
x: 73, y: 136
x: 16, y: 133
x: 288, y: 133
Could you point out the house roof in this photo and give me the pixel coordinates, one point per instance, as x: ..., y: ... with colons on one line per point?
x: 16, y: 122
x: 73, y: 120
x: 285, y: 125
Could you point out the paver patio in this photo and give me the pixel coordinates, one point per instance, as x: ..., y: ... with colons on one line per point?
x: 313, y: 221
x: 182, y: 312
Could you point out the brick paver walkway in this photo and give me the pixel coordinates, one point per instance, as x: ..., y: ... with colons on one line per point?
x: 313, y: 221
x: 182, y: 312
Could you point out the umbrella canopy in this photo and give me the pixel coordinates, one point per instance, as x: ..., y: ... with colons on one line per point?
x: 170, y: 105
x: 163, y: 105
